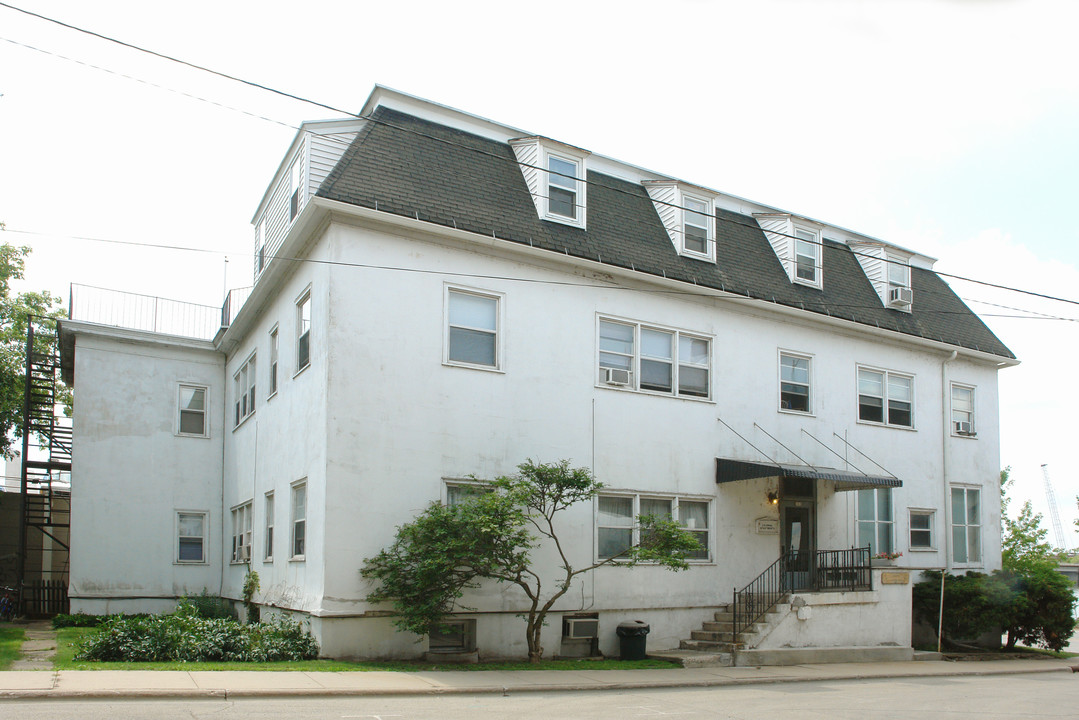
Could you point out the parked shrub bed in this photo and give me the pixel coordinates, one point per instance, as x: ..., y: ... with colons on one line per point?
x: 188, y: 637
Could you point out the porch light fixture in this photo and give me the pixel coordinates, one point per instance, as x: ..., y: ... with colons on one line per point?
x: 773, y: 497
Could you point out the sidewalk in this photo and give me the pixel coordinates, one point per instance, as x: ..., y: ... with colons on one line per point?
x: 227, y: 685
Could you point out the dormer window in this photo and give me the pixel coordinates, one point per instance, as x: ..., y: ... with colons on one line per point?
x: 798, y: 244
x: 555, y: 175
x: 806, y: 257
x: 294, y: 188
x: 561, y: 187
x: 900, y: 296
x: 688, y: 214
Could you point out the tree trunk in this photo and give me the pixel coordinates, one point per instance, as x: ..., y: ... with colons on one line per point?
x: 535, y: 650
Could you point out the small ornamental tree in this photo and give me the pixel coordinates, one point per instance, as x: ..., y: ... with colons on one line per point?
x: 447, y: 550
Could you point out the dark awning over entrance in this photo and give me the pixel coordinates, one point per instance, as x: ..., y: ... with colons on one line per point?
x: 733, y: 470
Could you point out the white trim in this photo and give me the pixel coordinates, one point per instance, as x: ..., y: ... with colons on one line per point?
x: 273, y: 367
x: 952, y: 429
x: 808, y: 357
x: 885, y: 399
x: 968, y: 563
x: 817, y: 242
x: 293, y: 486
x: 580, y: 186
x: 709, y: 212
x: 449, y: 289
x: 177, y: 512
x: 205, y: 410
x: 269, y: 501
x: 304, y: 297
x: 932, y: 513
x: 635, y: 369
x: 636, y: 496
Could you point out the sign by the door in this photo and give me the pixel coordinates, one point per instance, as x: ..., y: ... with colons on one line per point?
x: 767, y: 526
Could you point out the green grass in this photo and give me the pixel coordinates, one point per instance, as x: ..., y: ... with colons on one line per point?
x: 67, y: 638
x: 10, y: 640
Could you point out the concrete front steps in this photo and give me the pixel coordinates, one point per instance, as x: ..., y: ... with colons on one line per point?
x: 715, y: 644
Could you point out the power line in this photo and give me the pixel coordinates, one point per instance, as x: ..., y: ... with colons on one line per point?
x: 368, y: 118
x: 730, y: 295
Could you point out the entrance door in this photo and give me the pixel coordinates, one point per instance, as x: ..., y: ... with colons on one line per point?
x: 798, y: 519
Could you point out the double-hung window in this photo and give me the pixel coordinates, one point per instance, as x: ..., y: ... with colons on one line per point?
x: 303, y: 332
x: 885, y: 397
x: 241, y: 533
x: 696, y: 226
x: 793, y: 382
x: 653, y: 359
x: 299, y: 520
x: 921, y: 529
x: 244, y: 383
x: 192, y: 419
x: 875, y: 524
x: 260, y: 249
x: 268, y: 528
x: 807, y: 252
x: 295, y: 177
x: 898, y: 272
x: 563, y: 187
x: 274, y: 346
x: 618, y: 529
x: 963, y: 410
x: 966, y: 525
x: 472, y: 328
x: 190, y: 537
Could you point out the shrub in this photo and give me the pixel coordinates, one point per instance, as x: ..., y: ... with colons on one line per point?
x: 210, y: 606
x: 79, y: 619
x: 187, y: 637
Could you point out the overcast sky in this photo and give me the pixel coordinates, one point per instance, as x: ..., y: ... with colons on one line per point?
x: 947, y: 127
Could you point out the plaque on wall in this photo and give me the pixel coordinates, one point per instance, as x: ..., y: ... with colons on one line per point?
x: 767, y: 526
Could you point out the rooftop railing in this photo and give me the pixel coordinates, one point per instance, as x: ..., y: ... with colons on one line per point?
x: 144, y: 312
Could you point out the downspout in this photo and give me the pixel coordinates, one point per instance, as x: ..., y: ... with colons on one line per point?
x: 945, y: 435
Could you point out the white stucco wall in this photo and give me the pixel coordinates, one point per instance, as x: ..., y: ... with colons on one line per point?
x: 132, y: 472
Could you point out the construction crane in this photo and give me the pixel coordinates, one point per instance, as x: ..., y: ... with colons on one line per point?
x: 1051, y: 498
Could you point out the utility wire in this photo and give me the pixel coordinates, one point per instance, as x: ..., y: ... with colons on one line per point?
x: 496, y: 156
x: 730, y: 295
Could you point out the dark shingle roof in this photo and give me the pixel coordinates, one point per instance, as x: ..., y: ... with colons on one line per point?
x: 403, y: 165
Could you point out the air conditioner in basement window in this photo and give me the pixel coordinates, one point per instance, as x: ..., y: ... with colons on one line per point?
x: 582, y: 628
x: 963, y: 428
x: 616, y: 376
x: 900, y: 297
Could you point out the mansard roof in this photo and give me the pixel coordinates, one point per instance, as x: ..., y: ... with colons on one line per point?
x: 416, y: 168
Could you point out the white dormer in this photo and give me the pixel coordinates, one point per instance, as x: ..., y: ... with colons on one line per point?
x: 798, y: 243
x: 888, y: 270
x: 688, y: 212
x: 555, y: 174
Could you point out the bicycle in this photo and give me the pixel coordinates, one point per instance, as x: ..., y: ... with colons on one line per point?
x: 7, y: 604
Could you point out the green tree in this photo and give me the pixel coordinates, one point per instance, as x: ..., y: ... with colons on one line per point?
x: 15, y: 313
x: 446, y: 550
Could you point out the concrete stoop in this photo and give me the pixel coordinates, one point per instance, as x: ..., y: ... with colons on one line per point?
x: 821, y: 655
x: 694, y: 658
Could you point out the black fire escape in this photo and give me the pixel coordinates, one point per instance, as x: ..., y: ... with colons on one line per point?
x: 46, y: 473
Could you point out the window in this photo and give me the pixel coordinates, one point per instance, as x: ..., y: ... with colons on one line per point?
x: 303, y: 332
x: 807, y: 247
x: 696, y: 226
x: 295, y: 176
x: 268, y: 532
x: 191, y: 537
x: 898, y: 272
x: 921, y: 529
x: 472, y: 329
x: 299, y: 519
x: 875, y: 519
x: 793, y: 383
x: 963, y: 410
x: 245, y: 390
x: 241, y: 533
x: 966, y: 525
x: 653, y: 359
x: 617, y: 528
x: 260, y: 251
x: 562, y: 187
x: 192, y: 410
x: 273, y: 361
x: 457, y: 493
x: 453, y: 636
x: 885, y: 397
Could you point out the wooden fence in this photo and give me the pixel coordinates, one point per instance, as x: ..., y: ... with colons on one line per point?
x: 44, y: 598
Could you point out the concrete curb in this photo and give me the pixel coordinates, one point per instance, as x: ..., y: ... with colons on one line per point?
x: 226, y: 694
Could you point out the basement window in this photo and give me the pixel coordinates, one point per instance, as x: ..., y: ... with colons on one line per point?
x: 453, y: 636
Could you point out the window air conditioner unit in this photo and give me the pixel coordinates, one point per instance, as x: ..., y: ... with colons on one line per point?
x: 616, y: 376
x: 582, y: 628
x: 245, y: 553
x: 963, y: 428
x: 900, y: 297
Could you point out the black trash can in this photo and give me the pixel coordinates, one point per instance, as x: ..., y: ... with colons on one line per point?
x: 632, y: 639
